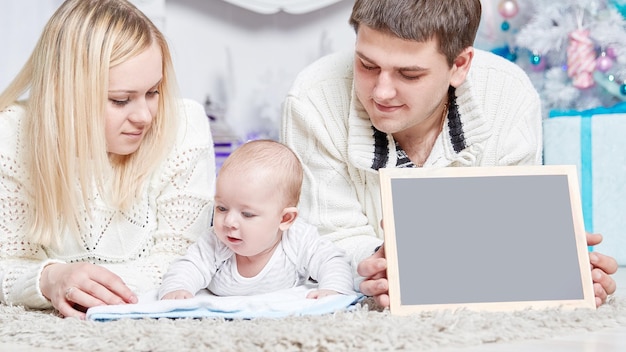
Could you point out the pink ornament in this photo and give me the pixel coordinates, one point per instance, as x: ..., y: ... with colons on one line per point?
x: 610, y: 52
x: 604, y: 63
x: 581, y: 59
x: 508, y: 8
x: 539, y: 66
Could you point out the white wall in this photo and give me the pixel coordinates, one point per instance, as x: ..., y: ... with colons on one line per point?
x: 21, y: 22
x: 245, y: 61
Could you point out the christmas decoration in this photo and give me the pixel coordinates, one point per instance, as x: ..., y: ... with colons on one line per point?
x: 574, y: 51
x: 581, y: 59
x: 507, y: 9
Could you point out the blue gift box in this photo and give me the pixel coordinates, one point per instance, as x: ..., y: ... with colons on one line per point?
x: 595, y: 141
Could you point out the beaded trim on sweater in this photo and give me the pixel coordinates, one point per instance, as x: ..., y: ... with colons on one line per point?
x: 454, y: 122
x: 456, y: 135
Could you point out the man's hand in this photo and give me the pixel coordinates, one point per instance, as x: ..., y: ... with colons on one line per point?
x: 374, y: 269
x: 602, y: 266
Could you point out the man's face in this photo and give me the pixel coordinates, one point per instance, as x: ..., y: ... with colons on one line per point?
x: 400, y: 83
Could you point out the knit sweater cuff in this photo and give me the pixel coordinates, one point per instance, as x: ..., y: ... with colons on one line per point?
x: 29, y: 292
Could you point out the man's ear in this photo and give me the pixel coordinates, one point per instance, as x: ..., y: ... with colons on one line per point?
x: 461, y: 66
x: 288, y: 217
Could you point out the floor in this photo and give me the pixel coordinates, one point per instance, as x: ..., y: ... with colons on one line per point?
x: 609, y: 340
x: 612, y: 340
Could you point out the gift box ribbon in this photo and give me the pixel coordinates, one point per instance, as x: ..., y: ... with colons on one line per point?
x: 586, y: 166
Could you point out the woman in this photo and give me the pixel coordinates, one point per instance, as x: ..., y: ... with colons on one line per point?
x: 105, y: 176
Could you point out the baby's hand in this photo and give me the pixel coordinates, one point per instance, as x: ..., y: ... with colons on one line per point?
x: 179, y: 294
x: 321, y: 293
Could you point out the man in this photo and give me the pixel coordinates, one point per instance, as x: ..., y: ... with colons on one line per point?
x: 414, y: 93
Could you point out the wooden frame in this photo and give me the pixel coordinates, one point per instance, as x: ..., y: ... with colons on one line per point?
x: 485, y: 238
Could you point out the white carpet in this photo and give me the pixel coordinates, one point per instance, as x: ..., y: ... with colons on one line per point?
x: 361, y: 329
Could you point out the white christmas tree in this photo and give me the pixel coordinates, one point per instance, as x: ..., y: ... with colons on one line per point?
x: 573, y: 50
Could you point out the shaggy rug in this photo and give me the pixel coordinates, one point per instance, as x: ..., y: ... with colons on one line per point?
x: 364, y: 328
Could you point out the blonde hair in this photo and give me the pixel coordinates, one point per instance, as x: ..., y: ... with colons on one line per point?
x: 66, y: 78
x: 276, y: 159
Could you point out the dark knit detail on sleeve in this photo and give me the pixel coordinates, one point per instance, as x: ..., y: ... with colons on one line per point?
x: 454, y: 122
x: 381, y: 149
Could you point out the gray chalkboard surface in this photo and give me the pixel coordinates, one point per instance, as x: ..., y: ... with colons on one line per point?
x: 486, y: 238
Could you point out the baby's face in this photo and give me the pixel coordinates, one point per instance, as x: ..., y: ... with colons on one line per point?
x: 247, y: 213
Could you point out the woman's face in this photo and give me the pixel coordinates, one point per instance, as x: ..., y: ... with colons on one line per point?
x: 133, y: 100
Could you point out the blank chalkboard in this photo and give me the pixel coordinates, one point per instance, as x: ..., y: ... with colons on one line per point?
x: 485, y: 238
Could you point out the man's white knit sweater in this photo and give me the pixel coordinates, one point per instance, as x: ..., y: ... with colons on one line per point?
x: 174, y: 208
x: 498, y: 122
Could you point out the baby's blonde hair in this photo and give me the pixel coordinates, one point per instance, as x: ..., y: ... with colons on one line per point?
x: 67, y: 78
x: 276, y: 160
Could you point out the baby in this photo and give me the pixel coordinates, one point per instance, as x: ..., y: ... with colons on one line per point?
x: 257, y: 243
